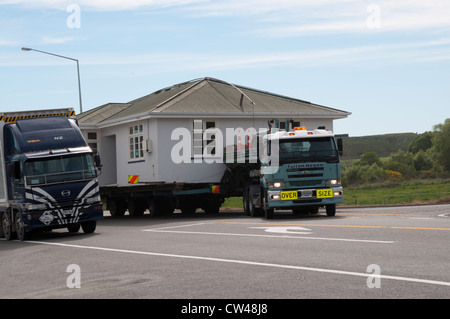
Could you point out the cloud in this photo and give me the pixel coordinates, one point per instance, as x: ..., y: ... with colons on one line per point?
x: 292, y: 18
x: 287, y: 18
x: 57, y: 40
x: 394, y: 53
x: 98, y: 5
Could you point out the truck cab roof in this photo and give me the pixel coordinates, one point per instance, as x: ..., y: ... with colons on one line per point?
x: 41, y: 134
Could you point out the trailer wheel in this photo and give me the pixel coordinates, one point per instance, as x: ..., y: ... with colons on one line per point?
x: 21, y: 231
x: 89, y: 227
x: 254, y: 211
x: 136, y: 207
x: 212, y: 208
x: 116, y: 207
x: 188, y: 209
x: 6, y: 226
x: 159, y: 207
x: 245, y: 202
x: 331, y: 210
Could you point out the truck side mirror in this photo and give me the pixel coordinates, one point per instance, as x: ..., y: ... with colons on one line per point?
x: 340, y: 146
x: 13, y: 170
x: 97, y: 161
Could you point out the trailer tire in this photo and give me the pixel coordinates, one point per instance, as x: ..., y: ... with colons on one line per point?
x: 331, y: 210
x: 254, y: 211
x: 188, y: 210
x: 212, y: 208
x: 159, y: 207
x: 116, y: 207
x: 136, y: 207
x: 89, y: 227
x: 245, y: 202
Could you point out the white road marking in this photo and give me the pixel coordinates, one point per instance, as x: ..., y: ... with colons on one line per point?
x: 285, y: 229
x: 179, y: 226
x: 244, y: 262
x: 159, y: 230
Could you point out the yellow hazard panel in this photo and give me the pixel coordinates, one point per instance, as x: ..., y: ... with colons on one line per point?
x: 133, y: 179
x: 13, y: 119
x: 215, y: 189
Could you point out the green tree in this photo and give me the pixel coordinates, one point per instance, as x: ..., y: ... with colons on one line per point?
x: 421, y: 142
x: 423, y: 161
x: 441, y: 144
x: 369, y: 158
x: 403, y: 163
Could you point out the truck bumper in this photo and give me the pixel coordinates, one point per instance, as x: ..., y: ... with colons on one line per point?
x: 288, y: 199
x: 60, y: 218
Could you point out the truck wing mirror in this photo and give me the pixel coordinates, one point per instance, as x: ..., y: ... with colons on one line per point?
x: 340, y: 146
x: 97, y: 161
x: 13, y: 170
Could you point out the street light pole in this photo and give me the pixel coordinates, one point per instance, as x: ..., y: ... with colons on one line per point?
x: 64, y: 57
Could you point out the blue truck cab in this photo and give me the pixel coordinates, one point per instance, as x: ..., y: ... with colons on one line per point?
x: 307, y: 174
x: 49, y: 175
x: 297, y: 170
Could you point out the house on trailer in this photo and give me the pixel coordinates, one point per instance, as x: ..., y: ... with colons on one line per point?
x: 137, y: 140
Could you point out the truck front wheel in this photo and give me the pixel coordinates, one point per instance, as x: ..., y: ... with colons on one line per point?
x: 268, y: 212
x: 89, y: 227
x: 20, y: 227
x: 331, y: 210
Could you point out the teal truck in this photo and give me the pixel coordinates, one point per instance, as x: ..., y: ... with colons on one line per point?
x: 296, y: 170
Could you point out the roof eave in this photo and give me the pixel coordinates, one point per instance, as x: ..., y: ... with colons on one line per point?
x: 242, y: 115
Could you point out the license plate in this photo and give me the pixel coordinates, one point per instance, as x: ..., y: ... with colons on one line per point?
x: 289, y: 195
x: 324, y: 193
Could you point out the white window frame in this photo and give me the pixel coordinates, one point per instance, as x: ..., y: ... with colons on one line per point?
x: 93, y: 142
x: 198, y: 144
x: 136, y: 142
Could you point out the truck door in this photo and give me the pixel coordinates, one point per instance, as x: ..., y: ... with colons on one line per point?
x: 16, y: 180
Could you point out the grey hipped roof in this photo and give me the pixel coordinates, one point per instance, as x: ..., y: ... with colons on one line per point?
x: 208, y: 96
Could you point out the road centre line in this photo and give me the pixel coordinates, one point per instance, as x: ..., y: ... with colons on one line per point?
x: 179, y: 226
x: 244, y: 262
x: 268, y: 236
x: 339, y: 226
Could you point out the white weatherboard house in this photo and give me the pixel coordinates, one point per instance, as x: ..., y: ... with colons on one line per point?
x: 135, y: 141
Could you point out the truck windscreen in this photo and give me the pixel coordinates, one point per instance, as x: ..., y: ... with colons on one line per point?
x: 322, y: 149
x: 59, y: 169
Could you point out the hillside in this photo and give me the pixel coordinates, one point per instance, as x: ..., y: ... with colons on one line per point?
x: 383, y: 145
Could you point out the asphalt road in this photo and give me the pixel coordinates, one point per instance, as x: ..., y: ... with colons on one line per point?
x: 368, y: 253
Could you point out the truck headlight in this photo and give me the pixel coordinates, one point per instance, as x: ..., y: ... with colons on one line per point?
x: 93, y: 200
x: 333, y: 182
x: 36, y: 206
x: 277, y: 184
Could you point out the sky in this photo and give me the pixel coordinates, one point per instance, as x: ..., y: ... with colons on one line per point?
x: 386, y: 62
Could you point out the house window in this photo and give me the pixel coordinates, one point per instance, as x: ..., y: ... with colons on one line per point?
x: 292, y: 124
x: 92, y: 141
x: 199, y: 143
x: 136, y: 142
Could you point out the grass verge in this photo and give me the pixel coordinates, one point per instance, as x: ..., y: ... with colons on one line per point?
x: 409, y: 192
